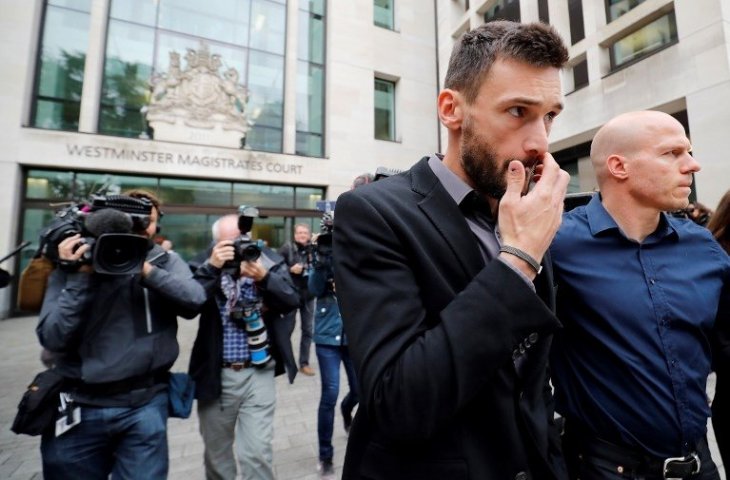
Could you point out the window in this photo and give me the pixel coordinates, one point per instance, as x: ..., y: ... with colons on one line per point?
x: 568, y: 159
x: 384, y: 110
x: 616, y: 8
x: 383, y: 14
x: 191, y: 206
x: 504, y: 10
x: 577, y: 29
x: 249, y: 35
x: 580, y: 74
x: 310, y: 79
x: 60, y: 72
x: 649, y: 39
x: 542, y: 11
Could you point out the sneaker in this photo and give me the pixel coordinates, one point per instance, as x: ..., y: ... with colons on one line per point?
x: 346, y: 417
x: 326, y: 470
x: 306, y: 370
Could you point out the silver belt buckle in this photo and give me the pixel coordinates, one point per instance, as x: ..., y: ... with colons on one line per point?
x: 681, y: 459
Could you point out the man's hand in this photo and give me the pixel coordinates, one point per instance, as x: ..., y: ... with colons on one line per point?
x: 254, y: 270
x: 530, y: 222
x: 71, y: 249
x: 296, y: 269
x: 222, y: 252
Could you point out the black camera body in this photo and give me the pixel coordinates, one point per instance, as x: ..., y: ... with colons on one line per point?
x: 244, y: 249
x: 106, y: 224
x: 324, y: 240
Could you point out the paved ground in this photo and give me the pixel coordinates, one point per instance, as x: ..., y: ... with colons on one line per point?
x: 295, y: 437
x: 295, y: 429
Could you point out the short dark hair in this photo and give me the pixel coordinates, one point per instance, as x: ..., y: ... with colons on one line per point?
x: 476, y: 51
x: 141, y: 193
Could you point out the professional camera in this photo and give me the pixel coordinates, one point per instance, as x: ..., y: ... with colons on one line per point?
x: 324, y: 240
x: 106, y: 224
x: 258, y: 341
x: 245, y: 250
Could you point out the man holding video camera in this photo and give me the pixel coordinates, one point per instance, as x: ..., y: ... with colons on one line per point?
x: 237, y: 350
x: 113, y: 336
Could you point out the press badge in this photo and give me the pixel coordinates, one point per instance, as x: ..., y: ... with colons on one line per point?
x: 70, y: 415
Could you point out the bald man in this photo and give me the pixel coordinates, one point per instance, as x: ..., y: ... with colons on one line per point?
x: 638, y: 294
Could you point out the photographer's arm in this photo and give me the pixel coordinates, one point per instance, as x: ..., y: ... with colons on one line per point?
x: 68, y: 294
x: 278, y: 290
x: 175, y: 282
x: 317, y: 281
x: 65, y: 303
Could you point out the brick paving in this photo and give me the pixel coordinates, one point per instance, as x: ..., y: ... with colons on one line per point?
x: 295, y: 433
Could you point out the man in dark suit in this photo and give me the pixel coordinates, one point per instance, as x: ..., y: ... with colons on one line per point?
x: 445, y: 303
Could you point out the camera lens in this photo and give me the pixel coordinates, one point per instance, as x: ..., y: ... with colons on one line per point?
x: 120, y: 253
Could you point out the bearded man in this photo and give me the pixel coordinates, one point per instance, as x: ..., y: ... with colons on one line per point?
x: 445, y: 293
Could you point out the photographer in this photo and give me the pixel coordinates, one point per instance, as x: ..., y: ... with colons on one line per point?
x: 240, y: 333
x: 114, y: 338
x: 331, y: 348
x: 297, y: 254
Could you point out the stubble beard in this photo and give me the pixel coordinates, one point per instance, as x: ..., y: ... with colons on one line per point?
x: 479, y: 161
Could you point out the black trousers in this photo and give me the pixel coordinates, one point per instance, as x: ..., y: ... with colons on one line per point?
x: 591, y: 458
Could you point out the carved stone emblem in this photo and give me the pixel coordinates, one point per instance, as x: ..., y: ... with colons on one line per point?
x: 198, y: 104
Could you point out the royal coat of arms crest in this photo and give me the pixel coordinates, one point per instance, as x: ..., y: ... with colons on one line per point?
x: 198, y: 104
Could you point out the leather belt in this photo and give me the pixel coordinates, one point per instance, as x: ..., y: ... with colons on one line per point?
x: 237, y: 366
x: 678, y: 468
x: 627, y: 459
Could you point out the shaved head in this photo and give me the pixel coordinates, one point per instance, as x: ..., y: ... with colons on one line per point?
x: 625, y: 135
x: 644, y: 166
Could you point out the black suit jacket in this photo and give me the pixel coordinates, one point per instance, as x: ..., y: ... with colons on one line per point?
x: 451, y: 354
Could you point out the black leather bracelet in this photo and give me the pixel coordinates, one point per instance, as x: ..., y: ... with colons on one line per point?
x: 524, y: 256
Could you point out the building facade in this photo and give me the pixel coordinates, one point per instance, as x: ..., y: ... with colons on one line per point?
x: 281, y: 103
x: 314, y: 84
x: 667, y: 55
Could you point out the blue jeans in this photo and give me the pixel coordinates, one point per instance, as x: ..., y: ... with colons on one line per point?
x: 129, y: 443
x: 329, y: 358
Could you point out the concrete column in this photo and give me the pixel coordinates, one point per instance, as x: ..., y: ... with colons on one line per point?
x: 708, y: 129
x: 290, y: 80
x: 10, y: 180
x: 528, y: 11
x: 94, y: 67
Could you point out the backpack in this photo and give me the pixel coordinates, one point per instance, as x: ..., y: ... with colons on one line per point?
x: 33, y: 282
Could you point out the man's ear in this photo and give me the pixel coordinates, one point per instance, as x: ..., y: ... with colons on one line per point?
x: 617, y: 167
x: 450, y: 108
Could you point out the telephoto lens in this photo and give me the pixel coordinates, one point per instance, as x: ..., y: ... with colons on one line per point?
x: 257, y: 338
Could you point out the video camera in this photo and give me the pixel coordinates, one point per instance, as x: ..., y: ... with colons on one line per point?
x: 106, y: 224
x: 324, y: 240
x: 245, y: 250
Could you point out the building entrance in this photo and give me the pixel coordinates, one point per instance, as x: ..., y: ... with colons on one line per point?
x: 190, y: 207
